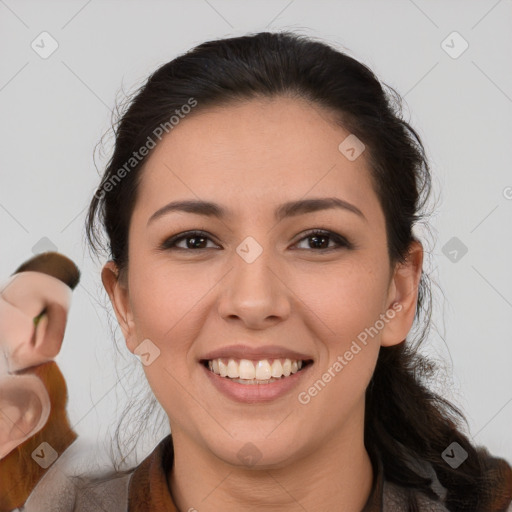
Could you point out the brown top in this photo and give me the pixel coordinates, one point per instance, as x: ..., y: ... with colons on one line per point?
x: 149, y: 492
x: 145, y: 489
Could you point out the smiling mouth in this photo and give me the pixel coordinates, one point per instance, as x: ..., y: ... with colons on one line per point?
x: 264, y: 371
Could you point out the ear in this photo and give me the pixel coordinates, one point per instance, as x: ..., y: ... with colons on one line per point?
x: 403, y: 296
x: 24, y: 410
x: 119, y: 297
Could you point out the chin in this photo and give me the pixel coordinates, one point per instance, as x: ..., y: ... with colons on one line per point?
x: 257, y: 451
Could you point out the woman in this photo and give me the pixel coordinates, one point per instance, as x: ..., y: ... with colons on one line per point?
x: 259, y: 207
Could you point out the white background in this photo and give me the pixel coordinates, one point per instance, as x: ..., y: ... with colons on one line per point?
x: 55, y: 110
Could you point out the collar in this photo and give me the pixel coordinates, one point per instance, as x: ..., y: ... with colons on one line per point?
x: 149, y: 492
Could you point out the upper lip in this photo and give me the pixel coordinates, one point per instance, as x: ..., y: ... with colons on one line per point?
x: 256, y: 353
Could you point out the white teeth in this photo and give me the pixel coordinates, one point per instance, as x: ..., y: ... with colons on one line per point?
x: 233, y: 369
x: 246, y: 370
x: 223, y: 368
x: 252, y: 371
x: 263, y: 370
x: 277, y: 368
x: 287, y: 367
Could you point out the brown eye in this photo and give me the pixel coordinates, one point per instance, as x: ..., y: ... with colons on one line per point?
x: 199, y: 241
x: 321, y: 238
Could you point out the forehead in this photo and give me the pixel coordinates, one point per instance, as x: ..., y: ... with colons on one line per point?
x: 254, y: 153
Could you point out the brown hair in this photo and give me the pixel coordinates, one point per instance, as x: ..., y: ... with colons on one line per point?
x: 404, y: 419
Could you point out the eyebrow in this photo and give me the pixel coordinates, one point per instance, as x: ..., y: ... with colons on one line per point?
x: 289, y: 209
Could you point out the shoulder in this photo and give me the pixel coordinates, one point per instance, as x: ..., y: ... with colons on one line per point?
x: 65, y: 493
x: 107, y: 493
x: 65, y: 487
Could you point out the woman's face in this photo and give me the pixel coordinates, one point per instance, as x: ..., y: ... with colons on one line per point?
x: 261, y: 282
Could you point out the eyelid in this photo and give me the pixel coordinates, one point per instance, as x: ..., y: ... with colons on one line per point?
x: 342, y: 242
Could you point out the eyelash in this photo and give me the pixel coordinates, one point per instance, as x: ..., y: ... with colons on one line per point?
x: 170, y: 243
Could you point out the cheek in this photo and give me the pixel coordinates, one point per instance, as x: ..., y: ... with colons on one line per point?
x: 347, y: 298
x: 350, y: 306
x: 166, y: 301
x: 168, y: 309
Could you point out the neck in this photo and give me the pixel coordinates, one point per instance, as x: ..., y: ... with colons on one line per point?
x: 338, y: 470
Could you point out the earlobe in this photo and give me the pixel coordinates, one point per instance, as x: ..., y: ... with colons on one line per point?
x: 403, y: 297
x: 118, y: 294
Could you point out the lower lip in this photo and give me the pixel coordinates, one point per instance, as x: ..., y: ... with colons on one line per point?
x: 255, y: 393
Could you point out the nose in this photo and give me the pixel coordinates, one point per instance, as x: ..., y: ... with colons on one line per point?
x: 255, y: 293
